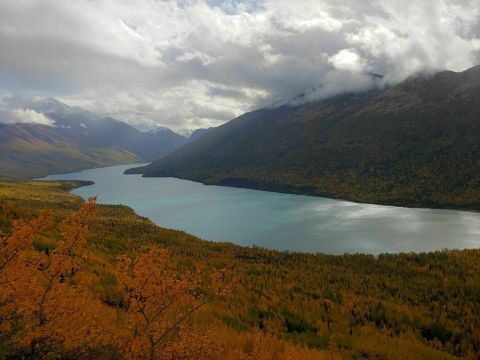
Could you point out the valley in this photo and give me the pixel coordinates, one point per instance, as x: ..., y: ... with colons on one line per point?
x: 280, y: 221
x: 240, y: 180
x: 78, y: 139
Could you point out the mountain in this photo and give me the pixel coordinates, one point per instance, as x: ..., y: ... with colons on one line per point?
x: 199, y: 132
x: 413, y: 144
x: 37, y: 150
x: 79, y: 139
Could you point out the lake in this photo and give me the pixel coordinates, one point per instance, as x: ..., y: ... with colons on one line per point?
x: 280, y: 221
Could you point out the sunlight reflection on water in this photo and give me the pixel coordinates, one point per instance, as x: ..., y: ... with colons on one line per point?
x: 281, y: 221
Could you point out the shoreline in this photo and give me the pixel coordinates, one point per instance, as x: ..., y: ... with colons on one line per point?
x: 261, y: 248
x: 248, y: 240
x: 251, y: 184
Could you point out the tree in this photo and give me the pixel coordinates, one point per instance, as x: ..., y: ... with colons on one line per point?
x: 158, y: 300
x: 46, y: 307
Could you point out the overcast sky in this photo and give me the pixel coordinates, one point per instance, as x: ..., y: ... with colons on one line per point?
x: 188, y: 64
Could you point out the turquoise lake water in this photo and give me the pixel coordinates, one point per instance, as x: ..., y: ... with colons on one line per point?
x: 280, y: 221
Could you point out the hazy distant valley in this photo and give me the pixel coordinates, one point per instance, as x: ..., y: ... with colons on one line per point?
x: 78, y: 139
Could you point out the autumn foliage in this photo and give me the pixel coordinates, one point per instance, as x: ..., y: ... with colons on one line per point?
x: 44, y: 303
x: 157, y: 302
x: 48, y: 309
x: 108, y: 284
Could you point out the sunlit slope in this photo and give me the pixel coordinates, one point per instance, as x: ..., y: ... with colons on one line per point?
x: 78, y: 139
x: 37, y: 150
x: 409, y: 306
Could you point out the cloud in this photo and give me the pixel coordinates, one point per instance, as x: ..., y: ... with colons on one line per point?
x: 31, y: 117
x: 24, y: 116
x: 347, y: 59
x: 195, y: 63
x: 16, y: 109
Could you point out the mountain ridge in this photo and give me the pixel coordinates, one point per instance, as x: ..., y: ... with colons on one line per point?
x: 78, y: 140
x: 411, y: 144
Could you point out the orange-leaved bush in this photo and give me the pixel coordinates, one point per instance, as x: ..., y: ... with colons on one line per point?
x: 49, y: 310
x: 158, y: 299
x: 45, y: 308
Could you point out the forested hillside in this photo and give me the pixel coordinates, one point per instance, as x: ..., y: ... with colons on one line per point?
x: 415, y: 144
x: 275, y: 304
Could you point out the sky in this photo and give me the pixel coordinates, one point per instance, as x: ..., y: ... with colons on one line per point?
x: 190, y: 64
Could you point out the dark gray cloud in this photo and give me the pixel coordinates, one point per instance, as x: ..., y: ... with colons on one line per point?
x: 193, y: 63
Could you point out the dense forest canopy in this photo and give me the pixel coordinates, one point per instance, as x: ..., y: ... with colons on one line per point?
x: 310, y: 306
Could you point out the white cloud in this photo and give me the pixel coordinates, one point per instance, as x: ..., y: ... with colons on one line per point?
x: 29, y: 116
x: 347, y: 59
x: 196, y: 63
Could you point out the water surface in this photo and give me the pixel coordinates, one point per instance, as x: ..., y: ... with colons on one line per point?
x: 280, y: 221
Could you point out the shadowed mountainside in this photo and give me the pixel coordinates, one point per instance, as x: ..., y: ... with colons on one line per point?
x: 413, y: 144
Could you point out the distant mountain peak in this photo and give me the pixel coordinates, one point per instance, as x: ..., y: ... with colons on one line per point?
x: 79, y: 137
x: 40, y: 104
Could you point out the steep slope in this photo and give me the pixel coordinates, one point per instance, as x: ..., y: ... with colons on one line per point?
x: 415, y: 144
x: 86, y: 128
x: 78, y: 140
x: 37, y: 150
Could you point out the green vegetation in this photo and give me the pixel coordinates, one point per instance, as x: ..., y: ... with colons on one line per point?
x: 401, y: 306
x: 415, y: 144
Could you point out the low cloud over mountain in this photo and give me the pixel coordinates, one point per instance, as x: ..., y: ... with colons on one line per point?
x: 189, y: 64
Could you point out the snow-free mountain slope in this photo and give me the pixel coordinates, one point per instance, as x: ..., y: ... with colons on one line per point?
x: 416, y: 143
